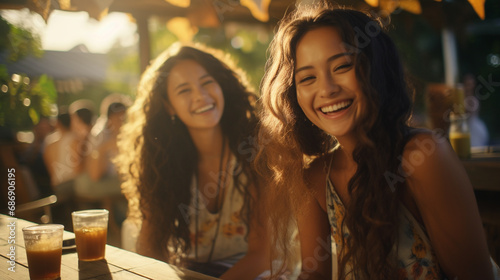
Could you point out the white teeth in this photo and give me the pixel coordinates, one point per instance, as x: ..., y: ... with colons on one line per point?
x: 204, y: 109
x: 336, y: 107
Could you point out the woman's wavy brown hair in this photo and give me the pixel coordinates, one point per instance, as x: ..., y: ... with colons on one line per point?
x: 290, y: 139
x: 158, y: 159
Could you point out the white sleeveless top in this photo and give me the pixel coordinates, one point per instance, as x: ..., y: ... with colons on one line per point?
x: 221, y: 239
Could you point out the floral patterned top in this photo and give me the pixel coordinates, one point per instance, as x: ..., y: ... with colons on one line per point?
x: 227, y: 236
x: 416, y: 258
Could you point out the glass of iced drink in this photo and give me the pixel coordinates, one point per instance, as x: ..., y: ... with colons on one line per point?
x: 460, y: 135
x: 91, y: 229
x: 44, y: 250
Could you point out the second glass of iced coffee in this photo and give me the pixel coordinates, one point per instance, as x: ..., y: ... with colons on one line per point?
x: 91, y: 229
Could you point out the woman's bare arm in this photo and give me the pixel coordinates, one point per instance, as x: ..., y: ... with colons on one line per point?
x: 445, y: 199
x: 314, y: 227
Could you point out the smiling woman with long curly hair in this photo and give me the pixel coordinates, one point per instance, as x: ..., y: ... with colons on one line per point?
x: 345, y: 164
x: 190, y: 187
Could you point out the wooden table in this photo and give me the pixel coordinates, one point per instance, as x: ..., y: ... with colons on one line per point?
x: 119, y: 263
x: 483, y: 169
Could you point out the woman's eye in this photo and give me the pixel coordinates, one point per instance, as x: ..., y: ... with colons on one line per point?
x: 183, y: 91
x: 343, y: 67
x: 306, y: 79
x: 207, y: 82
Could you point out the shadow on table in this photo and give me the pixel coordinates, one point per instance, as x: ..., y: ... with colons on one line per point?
x: 92, y: 269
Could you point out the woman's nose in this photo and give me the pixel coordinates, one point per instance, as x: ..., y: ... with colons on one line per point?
x: 199, y: 93
x: 328, y: 86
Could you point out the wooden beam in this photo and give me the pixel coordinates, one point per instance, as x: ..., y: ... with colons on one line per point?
x: 450, y: 56
x: 144, y: 41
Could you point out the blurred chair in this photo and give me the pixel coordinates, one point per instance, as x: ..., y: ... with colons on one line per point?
x: 8, y: 161
x: 37, y: 207
x: 29, y: 205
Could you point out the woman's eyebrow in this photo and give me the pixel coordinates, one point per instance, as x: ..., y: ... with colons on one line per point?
x: 205, y: 76
x: 333, y: 57
x: 180, y: 85
x: 200, y: 78
x: 330, y: 59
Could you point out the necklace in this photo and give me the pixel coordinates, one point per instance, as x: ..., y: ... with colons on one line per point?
x: 220, y: 183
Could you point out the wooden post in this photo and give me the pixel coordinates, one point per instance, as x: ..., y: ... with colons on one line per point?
x: 144, y: 43
x: 450, y: 56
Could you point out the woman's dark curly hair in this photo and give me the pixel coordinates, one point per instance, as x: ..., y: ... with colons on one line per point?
x: 382, y: 130
x: 157, y: 157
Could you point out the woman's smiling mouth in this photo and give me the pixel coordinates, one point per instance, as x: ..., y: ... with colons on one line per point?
x: 336, y: 107
x: 204, y: 109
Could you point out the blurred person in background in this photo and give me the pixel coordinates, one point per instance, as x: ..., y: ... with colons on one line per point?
x: 99, y: 181
x: 479, y: 135
x: 62, y: 161
x: 58, y: 156
x: 82, y: 120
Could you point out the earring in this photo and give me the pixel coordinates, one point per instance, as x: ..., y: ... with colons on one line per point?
x: 172, y: 118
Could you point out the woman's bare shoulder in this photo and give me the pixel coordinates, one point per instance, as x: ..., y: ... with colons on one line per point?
x: 427, y: 149
x: 430, y: 163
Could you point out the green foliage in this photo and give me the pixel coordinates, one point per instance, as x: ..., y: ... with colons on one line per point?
x: 161, y: 39
x: 125, y: 70
x: 19, y: 42
x: 250, y: 55
x: 4, y: 29
x: 23, y: 102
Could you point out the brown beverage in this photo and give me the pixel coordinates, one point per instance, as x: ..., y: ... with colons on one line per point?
x: 91, y: 243
x: 43, y: 245
x: 461, y: 144
x: 44, y: 265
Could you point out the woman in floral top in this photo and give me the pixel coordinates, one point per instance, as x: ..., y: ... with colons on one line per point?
x: 185, y: 153
x: 395, y: 201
